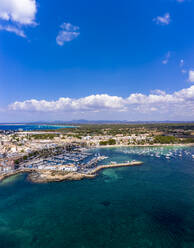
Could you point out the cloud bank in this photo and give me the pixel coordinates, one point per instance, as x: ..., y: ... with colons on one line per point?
x: 158, y: 102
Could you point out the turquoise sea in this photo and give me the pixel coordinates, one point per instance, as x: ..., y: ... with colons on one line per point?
x: 136, y: 207
x: 28, y: 127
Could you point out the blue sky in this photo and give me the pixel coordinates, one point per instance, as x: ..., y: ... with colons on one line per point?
x: 129, y: 60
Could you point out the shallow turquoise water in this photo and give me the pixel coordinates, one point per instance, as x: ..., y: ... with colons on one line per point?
x: 137, y: 207
x: 31, y: 127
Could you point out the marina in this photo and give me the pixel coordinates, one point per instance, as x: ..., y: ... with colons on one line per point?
x: 77, y: 160
x: 75, y: 164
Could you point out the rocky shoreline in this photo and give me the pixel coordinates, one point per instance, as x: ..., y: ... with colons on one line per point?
x: 56, y: 176
x: 45, y: 176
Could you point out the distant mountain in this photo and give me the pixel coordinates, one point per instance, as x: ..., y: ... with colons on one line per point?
x: 82, y: 121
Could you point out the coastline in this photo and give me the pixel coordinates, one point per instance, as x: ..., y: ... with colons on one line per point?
x: 45, y: 176
x: 16, y: 172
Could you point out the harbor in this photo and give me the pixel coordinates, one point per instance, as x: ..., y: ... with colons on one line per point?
x: 58, y: 173
x: 70, y: 164
x: 58, y: 163
x: 79, y: 160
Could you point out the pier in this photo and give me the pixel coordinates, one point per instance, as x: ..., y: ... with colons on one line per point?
x: 115, y: 165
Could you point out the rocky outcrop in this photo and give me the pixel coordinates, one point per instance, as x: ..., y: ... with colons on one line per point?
x: 56, y: 176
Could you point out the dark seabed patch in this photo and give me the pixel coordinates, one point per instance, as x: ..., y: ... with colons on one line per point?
x: 106, y: 203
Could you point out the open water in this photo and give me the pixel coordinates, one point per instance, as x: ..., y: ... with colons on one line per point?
x: 133, y: 207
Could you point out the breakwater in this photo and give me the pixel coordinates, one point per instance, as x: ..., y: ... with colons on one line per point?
x: 43, y: 176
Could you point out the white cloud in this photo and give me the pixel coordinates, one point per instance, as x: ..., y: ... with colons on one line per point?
x: 69, y: 27
x: 182, y: 62
x: 21, y: 11
x: 65, y: 36
x: 182, y: 66
x: 167, y: 57
x: 163, y: 20
x: 13, y: 29
x: 89, y: 103
x: 17, y: 13
x: 191, y: 76
x: 67, y: 33
x: 180, y: 102
x: 158, y: 92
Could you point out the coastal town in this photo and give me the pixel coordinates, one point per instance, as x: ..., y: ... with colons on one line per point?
x: 68, y: 151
